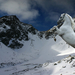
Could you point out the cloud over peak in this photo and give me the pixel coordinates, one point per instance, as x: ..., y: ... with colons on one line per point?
x: 22, y: 8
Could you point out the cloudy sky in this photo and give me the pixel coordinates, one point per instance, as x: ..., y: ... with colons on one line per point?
x: 42, y: 14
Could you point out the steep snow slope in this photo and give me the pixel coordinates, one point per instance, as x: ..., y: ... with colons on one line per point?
x: 36, y: 49
x: 32, y: 55
x: 63, y: 67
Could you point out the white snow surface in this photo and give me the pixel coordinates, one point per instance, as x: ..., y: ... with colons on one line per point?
x: 37, y: 57
x: 66, y: 30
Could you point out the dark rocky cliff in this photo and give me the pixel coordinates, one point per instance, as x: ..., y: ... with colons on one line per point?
x: 12, y: 31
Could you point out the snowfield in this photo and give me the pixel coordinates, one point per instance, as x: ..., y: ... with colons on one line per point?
x: 38, y: 57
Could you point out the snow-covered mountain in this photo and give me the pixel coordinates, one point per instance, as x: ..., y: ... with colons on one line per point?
x: 12, y: 31
x: 27, y: 51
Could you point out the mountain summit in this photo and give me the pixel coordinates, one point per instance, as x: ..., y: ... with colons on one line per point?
x: 12, y: 32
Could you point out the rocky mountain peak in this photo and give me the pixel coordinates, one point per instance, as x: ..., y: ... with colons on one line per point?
x: 12, y: 31
x: 11, y: 17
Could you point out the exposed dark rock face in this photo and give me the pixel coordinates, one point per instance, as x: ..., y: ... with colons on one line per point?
x: 12, y: 31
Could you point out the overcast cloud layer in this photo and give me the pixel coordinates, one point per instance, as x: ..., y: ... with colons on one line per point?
x: 42, y: 10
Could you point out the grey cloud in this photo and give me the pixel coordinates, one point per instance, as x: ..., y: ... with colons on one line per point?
x: 53, y: 8
x: 26, y: 9
x: 21, y: 8
x: 62, y: 4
